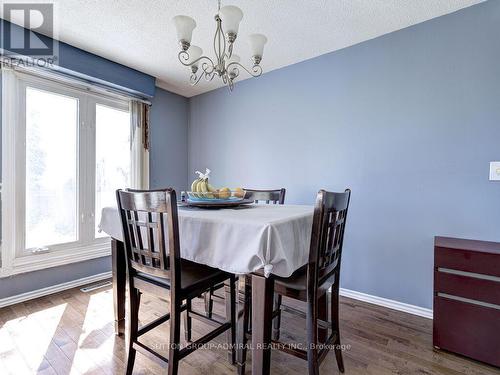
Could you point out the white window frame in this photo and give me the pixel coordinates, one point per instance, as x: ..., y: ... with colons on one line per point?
x: 15, y: 258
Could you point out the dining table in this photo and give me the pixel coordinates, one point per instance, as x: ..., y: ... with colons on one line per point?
x: 264, y: 241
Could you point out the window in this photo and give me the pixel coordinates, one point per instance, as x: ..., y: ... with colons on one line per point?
x: 112, y: 167
x: 51, y: 210
x: 65, y: 152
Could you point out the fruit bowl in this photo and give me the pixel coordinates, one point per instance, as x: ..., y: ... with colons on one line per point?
x: 203, y: 191
x: 216, y: 196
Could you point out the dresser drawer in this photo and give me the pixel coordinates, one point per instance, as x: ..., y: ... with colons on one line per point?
x: 468, y: 261
x: 467, y: 329
x: 475, y: 287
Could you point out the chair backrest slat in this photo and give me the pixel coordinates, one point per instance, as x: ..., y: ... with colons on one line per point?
x: 269, y: 196
x: 330, y: 214
x: 143, y: 215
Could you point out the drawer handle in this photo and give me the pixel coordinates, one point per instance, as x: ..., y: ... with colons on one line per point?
x: 468, y: 300
x: 469, y: 274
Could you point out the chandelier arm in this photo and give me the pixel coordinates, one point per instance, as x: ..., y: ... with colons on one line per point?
x: 215, y: 41
x: 194, y: 79
x: 230, y: 80
x: 209, y: 76
x: 224, y: 44
x: 255, y: 72
x: 219, y: 48
x: 229, y: 51
x: 184, y: 55
x: 236, y: 72
x: 208, y: 73
x: 208, y: 69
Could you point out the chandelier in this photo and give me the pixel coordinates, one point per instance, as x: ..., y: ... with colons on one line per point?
x: 226, y: 64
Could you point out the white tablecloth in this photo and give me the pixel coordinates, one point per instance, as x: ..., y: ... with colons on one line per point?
x: 273, y: 237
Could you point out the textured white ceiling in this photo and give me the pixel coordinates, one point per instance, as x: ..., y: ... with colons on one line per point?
x: 140, y: 33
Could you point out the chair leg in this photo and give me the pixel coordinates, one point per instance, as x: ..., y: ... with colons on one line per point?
x: 334, y: 311
x: 277, y: 319
x: 188, y: 321
x: 248, y: 284
x: 230, y: 289
x: 175, y: 335
x: 133, y: 326
x: 209, y: 302
x: 243, y: 328
x: 312, y: 337
x: 323, y: 315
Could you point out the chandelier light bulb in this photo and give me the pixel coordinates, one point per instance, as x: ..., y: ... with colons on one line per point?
x: 257, y: 42
x: 195, y: 53
x: 231, y: 17
x: 184, y: 26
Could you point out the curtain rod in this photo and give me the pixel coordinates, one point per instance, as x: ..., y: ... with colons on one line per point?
x: 65, y: 76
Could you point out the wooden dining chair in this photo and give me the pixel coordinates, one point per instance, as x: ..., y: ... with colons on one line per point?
x: 268, y: 196
x: 154, y: 266
x: 311, y: 283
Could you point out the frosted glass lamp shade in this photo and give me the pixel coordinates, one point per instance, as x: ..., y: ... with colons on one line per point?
x: 257, y: 42
x: 231, y: 17
x: 194, y: 53
x: 185, y: 26
x: 234, y: 58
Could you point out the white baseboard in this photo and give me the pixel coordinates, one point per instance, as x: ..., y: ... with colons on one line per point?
x: 53, y: 289
x: 389, y: 303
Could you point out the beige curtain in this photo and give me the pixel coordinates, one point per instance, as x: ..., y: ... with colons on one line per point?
x: 139, y: 129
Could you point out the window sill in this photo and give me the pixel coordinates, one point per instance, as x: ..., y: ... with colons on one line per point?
x: 36, y: 262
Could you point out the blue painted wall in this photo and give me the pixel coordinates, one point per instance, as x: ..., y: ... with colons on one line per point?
x: 169, y: 139
x: 409, y: 121
x: 27, y: 282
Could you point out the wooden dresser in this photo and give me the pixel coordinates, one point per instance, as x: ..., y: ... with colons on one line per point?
x: 467, y: 298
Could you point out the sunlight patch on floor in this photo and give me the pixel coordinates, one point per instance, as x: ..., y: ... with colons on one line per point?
x: 32, y: 333
x: 94, y: 347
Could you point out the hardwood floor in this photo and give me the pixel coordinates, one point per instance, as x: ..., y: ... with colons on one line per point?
x: 72, y: 333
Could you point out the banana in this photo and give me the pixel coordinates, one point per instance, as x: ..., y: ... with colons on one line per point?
x: 200, y: 187
x: 203, y: 186
x: 193, y: 185
x: 205, y: 189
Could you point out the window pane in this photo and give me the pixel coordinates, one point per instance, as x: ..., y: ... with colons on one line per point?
x: 51, y: 168
x: 113, y: 163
